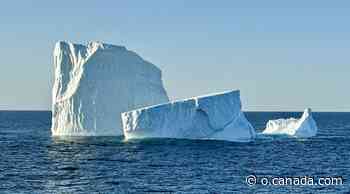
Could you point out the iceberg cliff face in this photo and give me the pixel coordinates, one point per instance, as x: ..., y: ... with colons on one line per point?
x: 95, y: 83
x: 303, y: 127
x: 217, y: 116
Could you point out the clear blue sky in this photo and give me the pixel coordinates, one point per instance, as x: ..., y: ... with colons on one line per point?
x: 282, y: 55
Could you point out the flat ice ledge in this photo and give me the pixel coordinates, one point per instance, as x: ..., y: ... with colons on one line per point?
x: 216, y: 116
x: 303, y: 127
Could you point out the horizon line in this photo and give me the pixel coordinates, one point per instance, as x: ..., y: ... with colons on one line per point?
x: 319, y: 111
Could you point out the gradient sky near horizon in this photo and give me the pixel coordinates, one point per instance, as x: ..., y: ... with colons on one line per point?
x: 282, y: 55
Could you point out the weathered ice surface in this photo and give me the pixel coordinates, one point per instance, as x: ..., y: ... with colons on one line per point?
x: 303, y: 127
x: 95, y: 83
x: 216, y: 116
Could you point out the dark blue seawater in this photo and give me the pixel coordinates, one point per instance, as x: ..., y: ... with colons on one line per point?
x: 31, y: 161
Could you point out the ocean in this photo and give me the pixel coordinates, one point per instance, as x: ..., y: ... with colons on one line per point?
x: 31, y: 161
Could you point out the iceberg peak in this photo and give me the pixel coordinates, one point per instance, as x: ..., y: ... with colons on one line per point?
x: 95, y: 83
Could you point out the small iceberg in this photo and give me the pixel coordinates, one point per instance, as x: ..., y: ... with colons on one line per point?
x: 300, y: 128
x: 215, y: 116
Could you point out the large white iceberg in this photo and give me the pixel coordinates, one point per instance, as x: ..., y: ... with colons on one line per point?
x: 303, y: 127
x: 216, y: 116
x: 95, y: 83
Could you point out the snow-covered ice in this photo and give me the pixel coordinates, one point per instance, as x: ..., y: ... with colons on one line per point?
x: 95, y: 83
x: 303, y: 127
x: 216, y: 116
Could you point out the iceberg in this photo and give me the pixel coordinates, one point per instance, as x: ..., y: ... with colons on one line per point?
x: 95, y: 83
x: 216, y: 116
x: 302, y: 128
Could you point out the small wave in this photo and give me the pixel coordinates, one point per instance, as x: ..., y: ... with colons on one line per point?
x: 69, y: 168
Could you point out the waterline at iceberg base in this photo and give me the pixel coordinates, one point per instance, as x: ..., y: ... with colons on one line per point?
x: 216, y: 116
